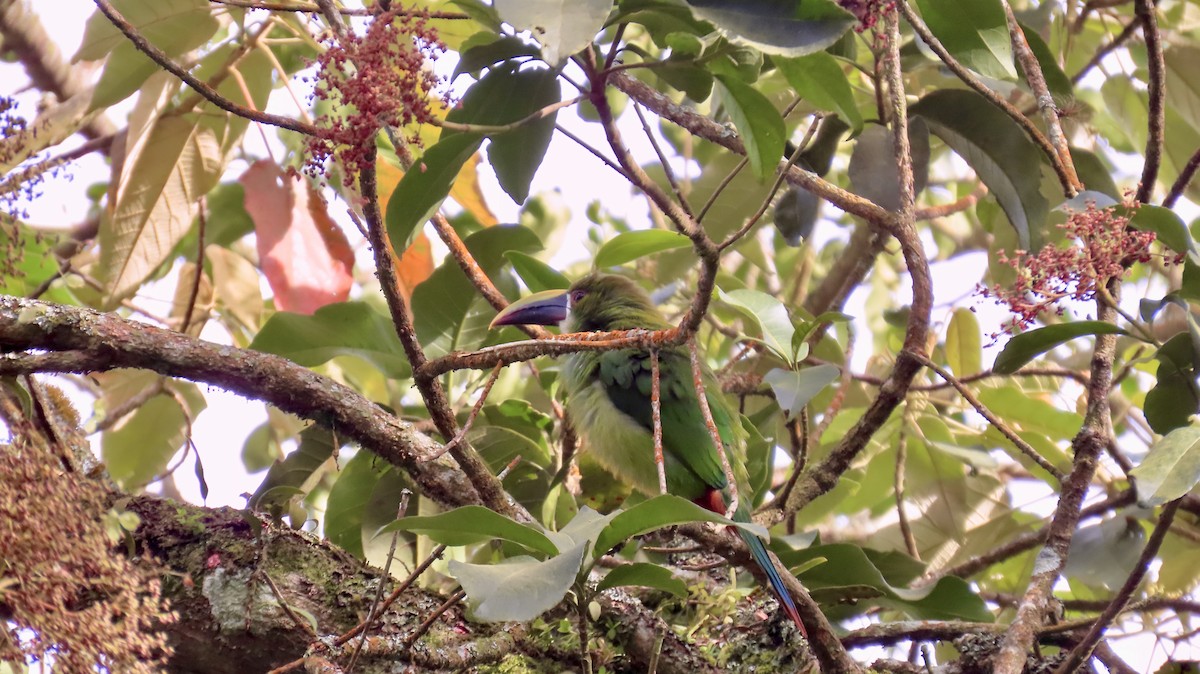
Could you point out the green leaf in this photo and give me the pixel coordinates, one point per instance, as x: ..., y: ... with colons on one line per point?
x: 781, y: 27
x: 770, y: 315
x: 447, y: 310
x: 425, y: 186
x: 473, y: 524
x: 964, y: 345
x: 537, y: 275
x: 1166, y: 225
x: 873, y: 170
x: 1029, y: 345
x: 849, y: 568
x: 641, y: 574
x: 482, y: 56
x: 1094, y: 173
x: 139, y: 447
x: 339, y: 329
x: 658, y: 512
x: 290, y: 476
x: 997, y: 149
x: 1174, y: 398
x: 1103, y: 554
x: 564, y: 27
x: 757, y: 121
x: 1171, y: 468
x: 348, y: 499
x: 174, y: 26
x: 819, y: 79
x: 975, y: 32
x: 793, y: 390
x: 629, y: 246
x: 521, y: 588
x: 504, y: 96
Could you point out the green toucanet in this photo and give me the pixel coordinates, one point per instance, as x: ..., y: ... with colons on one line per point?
x: 609, y: 398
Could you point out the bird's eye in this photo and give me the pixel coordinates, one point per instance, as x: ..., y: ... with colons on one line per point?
x: 577, y: 295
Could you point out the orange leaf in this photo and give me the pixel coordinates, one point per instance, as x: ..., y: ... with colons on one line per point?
x: 415, y: 265
x: 302, y: 252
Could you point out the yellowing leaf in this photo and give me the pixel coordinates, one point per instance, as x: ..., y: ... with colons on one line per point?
x: 157, y: 196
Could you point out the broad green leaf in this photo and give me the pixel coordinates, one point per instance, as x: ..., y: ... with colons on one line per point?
x: 521, y: 588
x: 849, y: 568
x: 139, y: 447
x: 423, y: 188
x: 757, y: 121
x: 504, y: 96
x: 1171, y: 468
x: 818, y: 79
x: 472, y: 524
x: 641, y: 574
x: 770, y: 315
x: 447, y: 310
x: 584, y: 527
x: 656, y: 513
x: 1175, y: 396
x: 174, y: 26
x: 1094, y: 173
x: 537, y: 275
x: 297, y: 472
x: 873, y: 170
x: 348, y: 499
x: 158, y: 21
x: 340, y: 329
x: 975, y: 32
x: 381, y: 508
x: 1032, y: 413
x: 480, y: 56
x: 157, y: 197
x: 997, y: 149
x: 564, y: 27
x: 781, y: 27
x: 629, y: 246
x: 964, y: 345
x: 1166, y: 225
x: 1103, y: 554
x: 1029, y: 345
x: 793, y: 390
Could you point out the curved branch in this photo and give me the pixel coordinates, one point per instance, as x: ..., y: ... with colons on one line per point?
x: 84, y: 340
x: 1156, y: 122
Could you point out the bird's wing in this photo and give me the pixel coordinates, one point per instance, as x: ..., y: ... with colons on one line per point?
x: 627, y: 379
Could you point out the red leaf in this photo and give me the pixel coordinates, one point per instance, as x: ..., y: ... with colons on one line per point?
x: 302, y: 252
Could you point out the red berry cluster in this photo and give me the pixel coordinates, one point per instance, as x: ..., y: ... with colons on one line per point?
x: 1099, y: 247
x: 379, y: 79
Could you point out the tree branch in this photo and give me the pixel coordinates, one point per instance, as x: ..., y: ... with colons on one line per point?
x: 83, y: 341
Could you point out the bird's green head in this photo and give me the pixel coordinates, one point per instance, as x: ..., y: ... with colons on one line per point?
x: 597, y: 302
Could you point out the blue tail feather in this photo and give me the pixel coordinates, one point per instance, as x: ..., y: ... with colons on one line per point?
x: 759, y: 551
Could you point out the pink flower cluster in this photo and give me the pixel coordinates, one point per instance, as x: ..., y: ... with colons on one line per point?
x: 1100, y: 246
x: 868, y: 11
x: 380, y: 79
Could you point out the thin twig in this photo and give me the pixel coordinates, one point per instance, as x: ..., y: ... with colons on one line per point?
x: 466, y: 427
x: 910, y: 541
x: 424, y: 626
x: 1024, y: 447
x: 702, y: 398
x: 1083, y: 649
x: 1041, y: 93
x: 372, y: 612
x: 656, y: 413
x: 161, y: 58
x: 1155, y: 89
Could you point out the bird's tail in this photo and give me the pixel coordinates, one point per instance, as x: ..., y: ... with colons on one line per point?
x: 763, y: 557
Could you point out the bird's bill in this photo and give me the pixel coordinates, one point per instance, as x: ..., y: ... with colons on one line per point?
x: 548, y: 307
